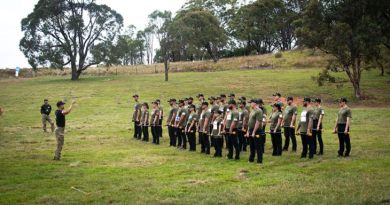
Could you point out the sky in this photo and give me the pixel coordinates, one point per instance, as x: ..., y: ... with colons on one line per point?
x: 13, y: 11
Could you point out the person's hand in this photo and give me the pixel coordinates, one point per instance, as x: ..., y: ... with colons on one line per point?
x: 296, y: 133
x: 346, y: 132
x: 318, y: 128
x: 73, y: 102
x: 275, y: 131
x: 334, y: 131
x: 269, y: 121
x: 1, y: 111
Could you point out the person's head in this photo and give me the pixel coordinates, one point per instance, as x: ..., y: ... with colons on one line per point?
x: 306, y: 102
x: 186, y: 101
x: 190, y: 100
x: 200, y: 97
x: 135, y: 96
x: 172, y: 101
x: 276, y: 107
x: 181, y: 103
x: 232, y: 104
x: 232, y: 96
x: 290, y: 100
x: 254, y: 103
x: 145, y: 105
x: 218, y: 100
x: 277, y: 96
x: 155, y: 104
x: 317, y: 102
x: 222, y: 97
x: 192, y: 108
x: 205, y: 105
x: 212, y: 100
x: 158, y: 101
x: 60, y: 105
x: 343, y: 102
x: 260, y: 102
x: 243, y: 99
x: 217, y: 113
x: 46, y: 101
x: 241, y: 104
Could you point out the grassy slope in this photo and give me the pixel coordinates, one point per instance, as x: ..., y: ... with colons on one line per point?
x: 100, y: 157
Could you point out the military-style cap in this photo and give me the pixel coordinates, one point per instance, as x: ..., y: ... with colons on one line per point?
x: 260, y: 101
x: 158, y: 100
x: 200, y: 95
x: 217, y: 98
x: 59, y: 103
x: 191, y: 106
x: 185, y: 99
x: 317, y: 100
x: 45, y: 99
x: 343, y: 100
x: 135, y: 96
x: 242, y: 98
x: 190, y: 98
x: 306, y: 99
x: 145, y: 103
x: 232, y: 102
x: 211, y: 98
x: 205, y: 103
x: 276, y: 105
x: 232, y: 94
x: 254, y: 101
x: 290, y: 98
x: 277, y: 94
x: 155, y: 102
x: 242, y: 102
x: 172, y: 100
x: 181, y: 101
x: 222, y: 96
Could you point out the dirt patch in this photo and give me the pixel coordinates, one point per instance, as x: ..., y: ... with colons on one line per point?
x: 197, y: 181
x: 167, y: 201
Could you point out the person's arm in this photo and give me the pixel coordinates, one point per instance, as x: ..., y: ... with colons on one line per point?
x: 335, y: 125
x: 181, y: 119
x: 206, y: 121
x: 310, y: 126
x: 319, y: 122
x: 299, y: 126
x: 69, y: 109
x: 138, y: 114
x: 278, y: 125
x: 244, y: 122
x: 257, y: 125
x: 264, y: 120
x: 347, y: 125
x: 173, y: 118
x: 146, y: 117
x: 294, y: 117
x: 155, y: 119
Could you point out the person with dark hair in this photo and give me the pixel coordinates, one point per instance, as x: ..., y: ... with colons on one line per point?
x: 203, y: 127
x: 242, y: 125
x: 199, y: 111
x: 161, y: 116
x: 145, y: 121
x: 136, y: 117
x: 342, y: 127
x: 306, y: 123
x: 264, y: 124
x: 275, y: 129
x: 180, y: 123
x: 192, y: 123
x: 319, y: 113
x: 254, y: 132
x: 213, y: 108
x: 217, y: 133
x: 60, y: 130
x: 231, y: 96
x: 155, y: 123
x: 290, y: 115
x: 170, y: 122
x: 247, y: 107
x: 224, y: 107
x: 45, y: 112
x: 231, y: 129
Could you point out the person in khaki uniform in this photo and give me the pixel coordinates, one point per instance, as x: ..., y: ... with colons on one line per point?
x: 342, y: 128
x: 136, y: 118
x: 45, y: 112
x: 60, y: 122
x: 242, y: 125
x: 216, y: 132
x: 231, y: 129
x: 145, y: 121
x: 170, y: 122
x: 306, y: 123
x: 254, y: 132
x: 275, y: 129
x: 192, y: 124
x: 319, y: 113
x: 289, y: 119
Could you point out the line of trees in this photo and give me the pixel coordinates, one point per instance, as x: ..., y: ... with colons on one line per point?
x: 81, y: 33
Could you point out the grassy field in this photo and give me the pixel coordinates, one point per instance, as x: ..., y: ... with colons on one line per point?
x: 101, y: 158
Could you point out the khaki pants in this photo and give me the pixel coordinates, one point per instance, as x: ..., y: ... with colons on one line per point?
x: 47, y: 118
x: 60, y: 141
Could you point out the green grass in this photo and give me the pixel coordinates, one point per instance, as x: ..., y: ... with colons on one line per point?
x: 101, y: 158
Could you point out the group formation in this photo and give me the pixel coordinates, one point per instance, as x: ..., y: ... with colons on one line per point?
x: 240, y: 124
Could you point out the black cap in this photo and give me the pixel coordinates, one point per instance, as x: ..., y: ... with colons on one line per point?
x: 290, y: 98
x: 185, y: 99
x: 190, y: 98
x: 260, y: 101
x: 59, y: 103
x: 233, y: 102
x: 277, y: 94
x: 306, y: 99
x: 232, y: 94
x: 276, y: 105
x: 242, y: 98
x: 205, y: 103
x: 317, y: 100
x: 181, y: 101
x: 200, y: 95
x: 222, y: 96
x: 158, y: 100
x: 172, y: 100
x: 343, y: 100
x: 217, y: 98
x: 254, y: 101
x: 145, y: 103
x: 219, y: 111
x: 191, y: 106
x: 45, y: 99
x: 211, y: 98
x: 242, y: 102
x: 155, y: 102
x: 135, y: 95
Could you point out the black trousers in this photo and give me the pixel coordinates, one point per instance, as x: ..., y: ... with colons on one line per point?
x: 290, y: 133
x: 256, y: 146
x: 160, y: 122
x: 232, y: 142
x: 153, y: 131
x: 218, y: 145
x: 317, y: 135
x: 137, y: 130
x: 183, y: 137
x: 145, y: 132
x: 276, y: 143
x: 307, y: 145
x: 172, y: 135
x: 343, y: 139
x: 242, y: 143
x: 263, y: 137
x: 192, y: 138
x: 204, y: 142
x: 179, y: 137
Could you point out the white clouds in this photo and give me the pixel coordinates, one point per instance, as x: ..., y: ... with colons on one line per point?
x: 13, y: 11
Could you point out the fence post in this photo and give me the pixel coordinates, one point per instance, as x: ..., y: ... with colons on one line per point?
x: 116, y: 71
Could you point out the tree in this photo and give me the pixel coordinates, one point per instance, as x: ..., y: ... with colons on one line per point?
x: 345, y: 30
x: 149, y: 33
x: 105, y: 52
x: 63, y: 32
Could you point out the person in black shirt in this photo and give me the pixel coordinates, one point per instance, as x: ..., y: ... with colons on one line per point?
x: 60, y: 121
x: 45, y: 112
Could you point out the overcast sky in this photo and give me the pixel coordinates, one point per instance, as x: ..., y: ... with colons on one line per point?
x: 13, y: 11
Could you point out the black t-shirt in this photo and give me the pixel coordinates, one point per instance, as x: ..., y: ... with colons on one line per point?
x: 46, y: 109
x: 60, y: 118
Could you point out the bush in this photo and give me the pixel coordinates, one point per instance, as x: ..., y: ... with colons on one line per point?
x: 278, y: 55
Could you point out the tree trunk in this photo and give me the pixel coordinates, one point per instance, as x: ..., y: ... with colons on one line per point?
x: 166, y: 65
x: 74, y: 71
x: 356, y: 88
